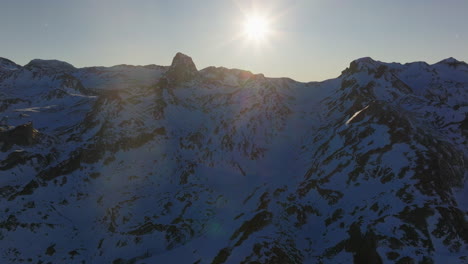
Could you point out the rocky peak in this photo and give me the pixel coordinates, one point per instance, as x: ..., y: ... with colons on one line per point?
x: 361, y: 64
x: 8, y: 65
x: 182, y: 69
x: 452, y: 62
x: 50, y: 66
x: 364, y: 60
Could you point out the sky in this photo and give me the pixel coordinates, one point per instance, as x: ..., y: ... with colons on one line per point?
x: 307, y: 40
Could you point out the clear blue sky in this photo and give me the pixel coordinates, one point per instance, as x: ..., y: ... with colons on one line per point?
x: 314, y: 39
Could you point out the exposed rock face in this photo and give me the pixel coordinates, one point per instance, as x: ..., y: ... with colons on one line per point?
x: 22, y: 135
x: 182, y: 69
x: 227, y: 166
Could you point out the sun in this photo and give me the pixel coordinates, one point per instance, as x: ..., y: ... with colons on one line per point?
x: 256, y: 27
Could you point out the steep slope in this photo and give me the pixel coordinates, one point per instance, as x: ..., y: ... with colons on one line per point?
x: 154, y: 164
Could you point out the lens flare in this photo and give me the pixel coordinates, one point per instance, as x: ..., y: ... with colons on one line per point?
x: 256, y: 28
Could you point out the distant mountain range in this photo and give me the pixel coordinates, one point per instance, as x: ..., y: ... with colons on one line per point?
x: 170, y: 164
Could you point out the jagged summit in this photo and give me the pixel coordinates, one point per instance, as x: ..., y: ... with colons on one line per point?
x: 364, y: 60
x: 50, y: 65
x: 6, y: 64
x: 182, y: 69
x: 181, y: 59
x: 361, y: 63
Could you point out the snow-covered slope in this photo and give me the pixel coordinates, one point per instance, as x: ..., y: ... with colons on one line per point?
x: 154, y: 164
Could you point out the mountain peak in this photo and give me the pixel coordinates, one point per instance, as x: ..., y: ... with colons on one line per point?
x: 182, y: 68
x: 451, y: 62
x: 365, y: 60
x: 6, y: 64
x: 361, y: 63
x: 182, y: 60
x: 50, y: 65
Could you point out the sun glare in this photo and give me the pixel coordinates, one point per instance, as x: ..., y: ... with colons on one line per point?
x: 256, y: 28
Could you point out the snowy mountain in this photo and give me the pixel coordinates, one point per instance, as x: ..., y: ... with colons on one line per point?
x: 170, y: 164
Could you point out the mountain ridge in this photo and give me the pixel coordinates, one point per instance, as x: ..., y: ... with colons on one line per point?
x: 450, y: 61
x: 130, y: 164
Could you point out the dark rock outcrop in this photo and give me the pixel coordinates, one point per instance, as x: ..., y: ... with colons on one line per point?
x: 23, y: 135
x: 18, y: 157
x: 182, y: 69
